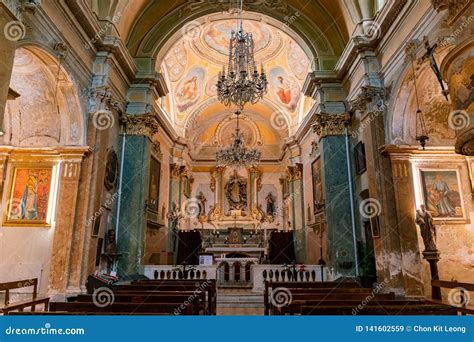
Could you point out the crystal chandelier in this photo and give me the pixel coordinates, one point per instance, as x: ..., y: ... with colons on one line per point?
x: 242, y: 83
x: 237, y: 155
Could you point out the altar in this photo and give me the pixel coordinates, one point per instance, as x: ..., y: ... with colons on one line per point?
x: 235, y: 242
x: 229, y: 251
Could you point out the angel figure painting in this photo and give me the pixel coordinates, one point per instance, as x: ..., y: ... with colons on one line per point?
x: 285, y: 89
x: 29, y: 196
x: 189, y: 89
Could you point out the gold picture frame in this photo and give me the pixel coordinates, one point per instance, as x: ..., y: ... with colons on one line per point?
x: 29, y: 195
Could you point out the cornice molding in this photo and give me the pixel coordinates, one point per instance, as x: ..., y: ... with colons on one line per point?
x: 91, y: 25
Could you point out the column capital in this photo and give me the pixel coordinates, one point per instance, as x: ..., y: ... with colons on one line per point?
x: 369, y: 100
x: 454, y: 7
x: 331, y: 124
x: 294, y: 172
x: 145, y: 124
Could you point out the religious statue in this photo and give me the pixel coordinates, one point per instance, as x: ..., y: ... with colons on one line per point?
x: 270, y: 204
x: 174, y: 216
x: 236, y: 192
x: 427, y: 228
x: 434, y: 66
x: 202, y: 203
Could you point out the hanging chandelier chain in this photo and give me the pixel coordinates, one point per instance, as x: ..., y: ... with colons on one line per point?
x: 242, y: 83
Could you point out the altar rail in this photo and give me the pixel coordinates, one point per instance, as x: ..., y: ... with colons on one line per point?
x: 259, y: 273
x: 262, y: 273
x: 166, y: 272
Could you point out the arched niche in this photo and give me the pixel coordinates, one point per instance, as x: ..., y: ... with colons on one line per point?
x: 46, y: 110
x: 436, y: 110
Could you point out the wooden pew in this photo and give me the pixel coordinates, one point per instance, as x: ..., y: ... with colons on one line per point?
x: 424, y: 309
x: 207, y: 286
x: 124, y: 308
x: 311, y: 288
x: 10, y: 307
x: 199, y: 301
x: 295, y: 306
x: 462, y: 287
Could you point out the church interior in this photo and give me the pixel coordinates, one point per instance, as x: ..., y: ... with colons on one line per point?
x: 226, y: 157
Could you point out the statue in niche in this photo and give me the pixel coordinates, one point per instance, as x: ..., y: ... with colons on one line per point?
x: 427, y: 228
x: 202, y: 203
x: 270, y: 204
x: 236, y: 192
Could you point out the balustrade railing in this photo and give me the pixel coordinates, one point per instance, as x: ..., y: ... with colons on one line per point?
x: 247, y: 274
x: 169, y: 272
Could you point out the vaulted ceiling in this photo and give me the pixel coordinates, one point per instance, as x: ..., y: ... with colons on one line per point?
x: 187, y: 42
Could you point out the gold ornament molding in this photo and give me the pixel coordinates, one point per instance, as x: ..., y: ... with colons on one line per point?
x: 146, y: 124
x: 331, y: 124
x: 294, y: 172
x: 455, y: 8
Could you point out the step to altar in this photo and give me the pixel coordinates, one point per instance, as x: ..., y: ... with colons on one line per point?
x: 239, y: 301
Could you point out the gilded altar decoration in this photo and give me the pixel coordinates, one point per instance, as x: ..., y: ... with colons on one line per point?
x: 29, y: 196
x: 236, y: 192
x: 145, y: 124
x: 331, y: 124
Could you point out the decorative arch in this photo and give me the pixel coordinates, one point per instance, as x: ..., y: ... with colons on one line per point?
x: 308, y: 31
x: 401, y: 123
x: 46, y: 96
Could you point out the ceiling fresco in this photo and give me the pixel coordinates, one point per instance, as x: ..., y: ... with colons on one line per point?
x: 194, y: 60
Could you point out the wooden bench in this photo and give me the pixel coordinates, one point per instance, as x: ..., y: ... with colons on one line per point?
x: 295, y: 306
x: 463, y: 288
x: 10, y: 306
x: 311, y: 288
x: 424, y: 309
x: 199, y: 301
x: 124, y: 308
x: 208, y: 287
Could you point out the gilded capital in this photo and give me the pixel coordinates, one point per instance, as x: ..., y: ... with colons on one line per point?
x: 331, y: 124
x: 294, y: 172
x: 145, y: 124
x: 369, y: 100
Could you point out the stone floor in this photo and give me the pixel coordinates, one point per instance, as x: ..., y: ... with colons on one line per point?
x: 239, y: 302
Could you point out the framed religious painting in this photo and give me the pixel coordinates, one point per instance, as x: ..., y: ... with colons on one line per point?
x: 359, y: 158
x: 28, y: 201
x: 318, y: 195
x: 442, y: 194
x: 154, y: 185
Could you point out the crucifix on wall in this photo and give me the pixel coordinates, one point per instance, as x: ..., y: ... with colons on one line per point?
x: 429, y: 55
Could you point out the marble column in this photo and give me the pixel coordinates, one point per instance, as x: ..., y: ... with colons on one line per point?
x: 331, y: 129
x: 136, y: 143
x: 60, y: 264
